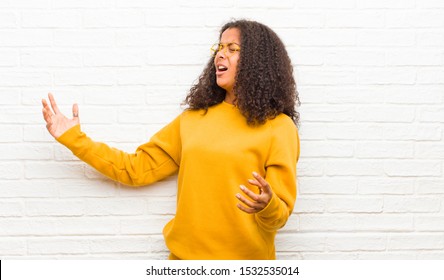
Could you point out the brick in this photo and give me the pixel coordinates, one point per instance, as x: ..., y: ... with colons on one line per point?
x: 120, y: 245
x: 353, y: 205
x: 355, y: 58
x: 12, y: 247
x: 165, y: 37
x: 53, y: 246
x: 147, y: 225
x: 24, y: 38
x: 386, y: 185
x: 8, y: 59
x: 53, y: 170
x: 79, y: 188
x: 419, y: 132
x: 430, y: 38
x: 429, y: 186
x: 319, y: 37
x: 415, y: 58
x: 183, y: 18
x: 324, y: 4
x: 388, y: 150
x: 398, y: 38
x: 355, y: 242
x: 52, y: 19
x: 361, y: 131
x: 164, y: 206
x: 304, y: 243
x: 419, y: 168
x: 386, y: 114
x: 84, y: 38
x: 324, y: 222
x: 384, y: 222
x: 327, y: 185
x: 11, y: 209
x: 309, y: 205
x: 149, y: 115
x: 26, y: 4
x: 395, y: 76
x: 343, y: 167
x: 431, y: 4
x: 25, y: 152
x: 50, y: 59
x: 333, y: 77
x: 11, y: 170
x: 164, y: 188
x: 87, y: 226
x: 414, y: 18
x: 382, y: 4
x: 355, y: 19
x: 430, y: 76
x: 432, y: 114
x: 425, y: 150
x: 429, y: 223
x: 29, y: 189
x: 331, y: 149
x: 411, y: 204
x: 332, y: 113
x: 310, y: 168
x: 11, y: 134
x: 114, y: 58
x: 143, y: 4
x: 286, y: 4
x: 24, y: 79
x: 26, y: 227
x: 57, y: 207
x: 413, y: 95
x: 119, y: 18
x: 116, y: 207
x: 8, y: 20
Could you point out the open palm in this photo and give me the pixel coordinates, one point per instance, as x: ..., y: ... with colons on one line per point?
x: 56, y: 122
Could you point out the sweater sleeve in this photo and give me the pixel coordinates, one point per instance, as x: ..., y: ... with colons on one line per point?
x: 151, y: 162
x: 281, y: 175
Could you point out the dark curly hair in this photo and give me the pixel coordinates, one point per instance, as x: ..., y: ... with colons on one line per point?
x: 264, y: 86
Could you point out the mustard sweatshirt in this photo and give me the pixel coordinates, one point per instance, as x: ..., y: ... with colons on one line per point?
x: 214, y: 153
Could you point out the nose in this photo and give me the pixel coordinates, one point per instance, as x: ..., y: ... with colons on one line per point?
x: 221, y: 53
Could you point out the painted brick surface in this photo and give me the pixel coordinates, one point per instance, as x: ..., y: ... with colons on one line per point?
x: 371, y: 81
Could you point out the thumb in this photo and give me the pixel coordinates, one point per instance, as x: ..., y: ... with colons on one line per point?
x: 75, y: 111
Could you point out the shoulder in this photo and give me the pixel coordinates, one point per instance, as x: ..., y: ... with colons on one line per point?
x: 282, y: 123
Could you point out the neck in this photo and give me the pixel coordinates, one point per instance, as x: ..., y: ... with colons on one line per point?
x: 229, y: 97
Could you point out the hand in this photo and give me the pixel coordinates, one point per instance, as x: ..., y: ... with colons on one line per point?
x: 258, y: 201
x: 56, y: 122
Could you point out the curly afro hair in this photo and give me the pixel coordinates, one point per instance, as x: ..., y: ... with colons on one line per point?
x: 264, y: 87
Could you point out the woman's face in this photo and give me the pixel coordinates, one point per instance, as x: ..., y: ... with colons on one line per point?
x: 226, y: 59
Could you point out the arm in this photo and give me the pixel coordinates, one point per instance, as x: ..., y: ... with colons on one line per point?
x: 275, y: 203
x: 151, y: 162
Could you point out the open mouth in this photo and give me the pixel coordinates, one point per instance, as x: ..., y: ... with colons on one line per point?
x: 221, y: 68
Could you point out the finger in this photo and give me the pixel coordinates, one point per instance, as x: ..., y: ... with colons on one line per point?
x: 47, y: 112
x: 53, y: 104
x: 46, y: 115
x: 75, y: 111
x: 245, y: 209
x: 245, y: 201
x: 45, y: 105
x: 265, y: 187
x: 249, y: 193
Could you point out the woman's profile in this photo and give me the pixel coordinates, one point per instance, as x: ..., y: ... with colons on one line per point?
x: 234, y: 148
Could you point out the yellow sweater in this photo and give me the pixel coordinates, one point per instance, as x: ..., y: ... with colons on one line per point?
x: 214, y: 154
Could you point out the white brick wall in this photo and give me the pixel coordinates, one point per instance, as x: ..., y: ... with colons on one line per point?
x: 371, y: 82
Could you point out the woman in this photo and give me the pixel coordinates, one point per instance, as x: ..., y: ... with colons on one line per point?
x: 235, y: 149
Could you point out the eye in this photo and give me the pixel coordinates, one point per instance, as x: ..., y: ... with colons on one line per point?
x: 232, y: 47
